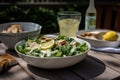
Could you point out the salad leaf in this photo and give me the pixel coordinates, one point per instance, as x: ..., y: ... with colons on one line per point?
x: 69, y: 48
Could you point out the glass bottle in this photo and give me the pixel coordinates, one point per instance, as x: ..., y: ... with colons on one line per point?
x: 90, y: 17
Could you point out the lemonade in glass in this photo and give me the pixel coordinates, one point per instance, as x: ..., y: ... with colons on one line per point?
x: 69, y: 23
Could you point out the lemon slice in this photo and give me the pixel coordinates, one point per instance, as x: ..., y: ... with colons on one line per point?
x: 48, y: 44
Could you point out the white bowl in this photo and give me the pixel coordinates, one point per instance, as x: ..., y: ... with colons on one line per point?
x: 53, y: 62
x: 10, y: 39
x: 99, y: 43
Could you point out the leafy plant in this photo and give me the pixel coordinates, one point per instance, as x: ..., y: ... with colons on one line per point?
x: 44, y: 16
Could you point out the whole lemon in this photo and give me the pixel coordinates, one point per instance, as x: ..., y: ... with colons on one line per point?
x: 110, y: 36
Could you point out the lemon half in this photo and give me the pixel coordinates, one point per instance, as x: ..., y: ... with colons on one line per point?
x: 48, y: 44
x: 110, y: 36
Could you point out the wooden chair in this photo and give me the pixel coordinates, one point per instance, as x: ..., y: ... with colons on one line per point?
x: 108, y: 16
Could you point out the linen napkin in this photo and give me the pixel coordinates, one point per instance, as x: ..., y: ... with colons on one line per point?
x: 3, y: 49
x: 107, y: 49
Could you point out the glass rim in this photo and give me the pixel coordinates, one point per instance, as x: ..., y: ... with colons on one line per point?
x: 69, y: 13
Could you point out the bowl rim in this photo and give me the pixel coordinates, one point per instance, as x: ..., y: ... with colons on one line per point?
x: 22, y: 41
x: 16, y: 34
x: 78, y: 35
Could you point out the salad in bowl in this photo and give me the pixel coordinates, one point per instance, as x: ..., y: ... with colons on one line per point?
x: 49, y: 52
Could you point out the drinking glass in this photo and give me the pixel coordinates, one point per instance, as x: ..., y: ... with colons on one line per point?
x: 68, y: 22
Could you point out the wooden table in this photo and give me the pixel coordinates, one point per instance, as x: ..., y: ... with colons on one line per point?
x: 96, y: 66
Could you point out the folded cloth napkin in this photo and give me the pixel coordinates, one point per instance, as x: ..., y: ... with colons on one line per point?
x: 107, y: 49
x: 3, y: 48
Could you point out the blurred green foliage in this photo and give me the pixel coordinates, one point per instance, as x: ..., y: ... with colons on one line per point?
x: 46, y: 17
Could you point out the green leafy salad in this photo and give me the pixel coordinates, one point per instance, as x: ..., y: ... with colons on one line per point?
x: 61, y: 46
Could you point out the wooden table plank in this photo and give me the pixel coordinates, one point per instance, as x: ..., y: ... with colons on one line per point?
x: 44, y: 74
x: 108, y: 59
x: 111, y: 60
x: 92, y: 68
x: 15, y: 73
x: 96, y: 70
x: 96, y: 66
x: 117, y: 56
x: 48, y: 74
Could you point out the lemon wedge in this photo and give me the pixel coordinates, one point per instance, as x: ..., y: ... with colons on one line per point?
x: 48, y: 44
x: 110, y: 36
